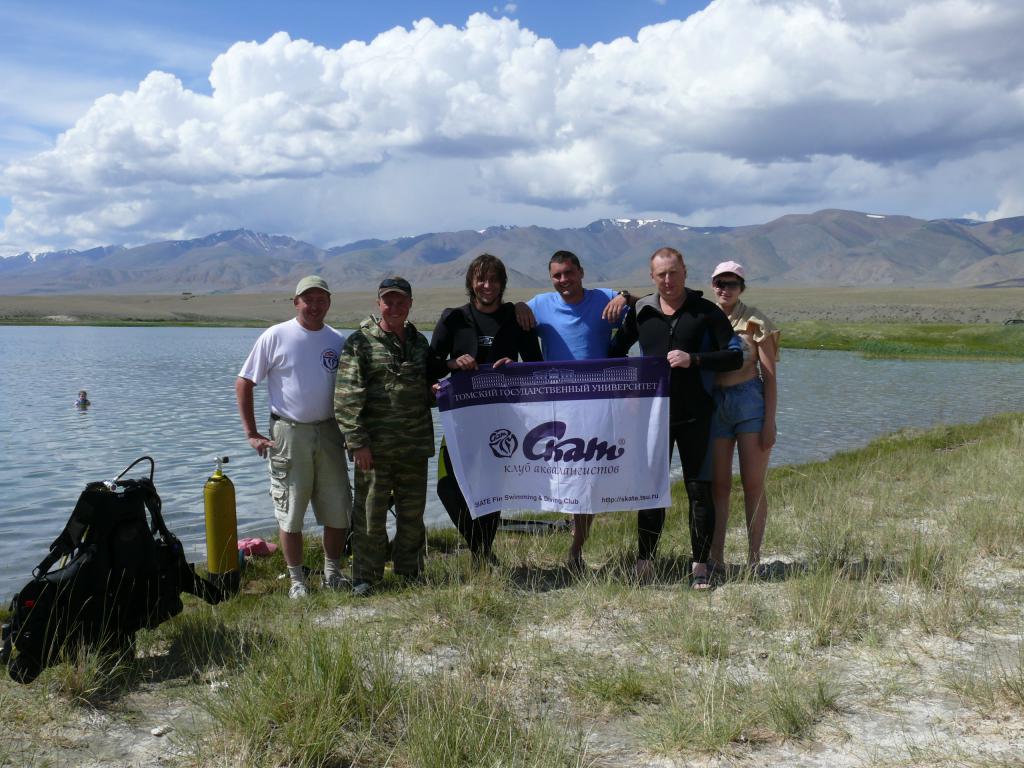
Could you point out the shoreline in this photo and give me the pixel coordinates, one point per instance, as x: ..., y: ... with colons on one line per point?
x: 895, y: 323
x: 784, y: 305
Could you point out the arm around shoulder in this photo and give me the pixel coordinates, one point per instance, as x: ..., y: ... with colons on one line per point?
x: 524, y: 316
x: 625, y: 337
x: 723, y: 355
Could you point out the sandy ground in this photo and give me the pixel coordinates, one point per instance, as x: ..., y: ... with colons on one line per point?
x: 973, y: 305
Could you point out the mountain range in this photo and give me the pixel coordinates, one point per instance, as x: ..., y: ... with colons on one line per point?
x: 832, y: 247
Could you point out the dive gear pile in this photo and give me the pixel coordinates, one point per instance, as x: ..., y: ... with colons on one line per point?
x: 121, y: 573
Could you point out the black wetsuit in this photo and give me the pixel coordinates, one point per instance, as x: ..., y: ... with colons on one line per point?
x: 487, y: 337
x: 699, y: 328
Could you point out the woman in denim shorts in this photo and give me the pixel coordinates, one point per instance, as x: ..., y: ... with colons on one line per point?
x: 744, y: 418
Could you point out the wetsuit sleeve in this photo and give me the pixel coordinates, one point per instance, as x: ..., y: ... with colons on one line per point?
x: 722, y: 356
x: 350, y: 394
x: 437, y: 366
x: 441, y: 339
x: 529, y: 347
x: 625, y: 336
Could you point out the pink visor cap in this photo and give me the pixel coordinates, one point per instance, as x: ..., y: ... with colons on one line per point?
x: 729, y: 266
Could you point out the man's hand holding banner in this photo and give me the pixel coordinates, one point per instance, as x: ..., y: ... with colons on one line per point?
x: 578, y: 437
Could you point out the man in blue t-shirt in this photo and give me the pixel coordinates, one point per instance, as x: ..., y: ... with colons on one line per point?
x: 574, y: 323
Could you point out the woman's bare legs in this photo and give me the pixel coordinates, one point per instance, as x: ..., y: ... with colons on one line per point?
x: 753, y: 470
x: 721, y: 487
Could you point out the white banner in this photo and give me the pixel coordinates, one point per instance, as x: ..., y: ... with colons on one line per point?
x: 581, y: 437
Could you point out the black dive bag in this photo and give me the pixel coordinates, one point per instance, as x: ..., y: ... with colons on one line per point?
x: 122, y: 573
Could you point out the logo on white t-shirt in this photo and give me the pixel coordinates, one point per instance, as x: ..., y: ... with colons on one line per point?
x: 329, y: 358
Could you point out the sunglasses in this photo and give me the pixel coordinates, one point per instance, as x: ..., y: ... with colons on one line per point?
x: 728, y: 285
x: 393, y: 282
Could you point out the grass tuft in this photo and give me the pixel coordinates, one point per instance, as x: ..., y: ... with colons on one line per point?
x: 94, y: 677
x: 708, y: 711
x: 623, y: 689
x: 797, y: 697
x: 926, y: 561
x: 311, y: 701
x: 457, y: 721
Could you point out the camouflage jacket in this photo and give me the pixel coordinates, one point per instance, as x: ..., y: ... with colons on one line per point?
x: 382, y: 395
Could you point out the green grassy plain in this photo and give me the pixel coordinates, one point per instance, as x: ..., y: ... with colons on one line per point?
x: 888, y: 632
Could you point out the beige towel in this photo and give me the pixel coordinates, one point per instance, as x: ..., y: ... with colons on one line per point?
x: 750, y: 320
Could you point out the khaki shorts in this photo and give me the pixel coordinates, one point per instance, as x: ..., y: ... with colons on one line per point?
x: 307, y: 464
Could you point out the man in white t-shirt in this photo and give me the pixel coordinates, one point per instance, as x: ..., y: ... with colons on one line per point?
x: 299, y: 361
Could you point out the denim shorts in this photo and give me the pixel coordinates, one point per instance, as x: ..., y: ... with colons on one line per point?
x: 739, y: 408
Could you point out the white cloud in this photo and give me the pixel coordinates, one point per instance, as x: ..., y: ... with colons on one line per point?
x: 742, y: 109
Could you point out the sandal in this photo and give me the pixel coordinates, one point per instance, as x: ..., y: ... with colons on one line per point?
x: 700, y: 582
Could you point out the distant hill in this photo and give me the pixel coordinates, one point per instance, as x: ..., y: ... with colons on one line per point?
x: 828, y: 247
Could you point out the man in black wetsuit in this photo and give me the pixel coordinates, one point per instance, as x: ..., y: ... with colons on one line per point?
x: 480, y: 332
x: 694, y: 335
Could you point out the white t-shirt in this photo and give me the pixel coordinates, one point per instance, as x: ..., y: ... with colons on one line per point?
x: 299, y: 366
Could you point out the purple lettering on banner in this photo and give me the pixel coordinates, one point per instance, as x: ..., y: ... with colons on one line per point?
x: 634, y: 377
x: 573, y: 449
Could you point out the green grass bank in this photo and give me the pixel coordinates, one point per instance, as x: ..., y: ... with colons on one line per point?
x: 888, y: 633
x: 942, y: 341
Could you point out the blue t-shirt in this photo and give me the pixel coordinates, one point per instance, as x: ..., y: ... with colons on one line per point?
x: 573, y: 331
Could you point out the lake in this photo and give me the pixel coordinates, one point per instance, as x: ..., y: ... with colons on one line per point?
x: 169, y: 393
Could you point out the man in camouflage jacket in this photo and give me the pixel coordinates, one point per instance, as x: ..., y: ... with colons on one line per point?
x: 382, y: 402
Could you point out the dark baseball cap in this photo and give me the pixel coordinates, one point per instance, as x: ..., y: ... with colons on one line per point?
x: 393, y: 284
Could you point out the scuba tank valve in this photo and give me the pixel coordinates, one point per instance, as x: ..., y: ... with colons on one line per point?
x: 221, y: 530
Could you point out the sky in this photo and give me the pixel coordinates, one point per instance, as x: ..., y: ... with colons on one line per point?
x: 129, y: 122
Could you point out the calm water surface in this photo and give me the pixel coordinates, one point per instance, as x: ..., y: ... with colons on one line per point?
x: 169, y: 393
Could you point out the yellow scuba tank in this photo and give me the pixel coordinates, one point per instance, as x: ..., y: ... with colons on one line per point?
x: 221, y: 530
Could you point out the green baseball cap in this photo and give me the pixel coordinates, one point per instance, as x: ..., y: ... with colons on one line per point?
x: 313, y: 281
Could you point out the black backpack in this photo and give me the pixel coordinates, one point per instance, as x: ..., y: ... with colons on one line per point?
x: 122, y: 573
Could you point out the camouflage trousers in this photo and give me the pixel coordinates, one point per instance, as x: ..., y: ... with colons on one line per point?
x: 406, y: 481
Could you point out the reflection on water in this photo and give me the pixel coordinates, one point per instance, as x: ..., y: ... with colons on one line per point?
x: 169, y: 393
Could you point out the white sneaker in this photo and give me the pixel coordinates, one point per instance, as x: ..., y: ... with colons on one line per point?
x: 336, y: 582
x: 298, y: 590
